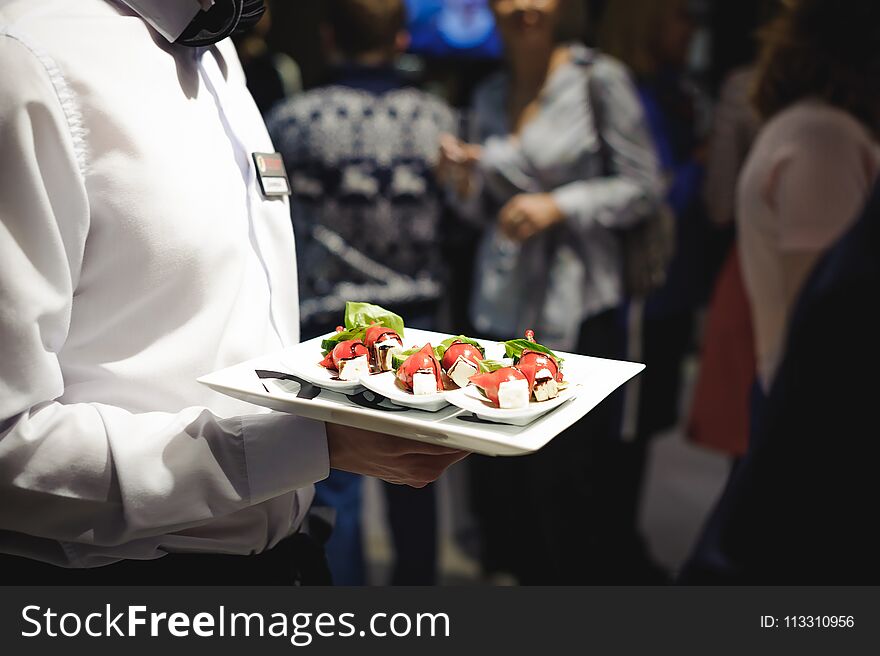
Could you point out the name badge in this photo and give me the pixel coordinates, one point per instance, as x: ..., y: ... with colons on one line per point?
x: 272, y: 175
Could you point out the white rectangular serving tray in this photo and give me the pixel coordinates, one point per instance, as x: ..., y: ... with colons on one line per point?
x: 451, y: 426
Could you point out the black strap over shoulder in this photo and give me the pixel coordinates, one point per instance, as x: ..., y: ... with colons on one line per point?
x: 597, y: 115
x: 225, y: 18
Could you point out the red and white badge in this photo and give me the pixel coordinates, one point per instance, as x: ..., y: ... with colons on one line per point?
x: 272, y: 174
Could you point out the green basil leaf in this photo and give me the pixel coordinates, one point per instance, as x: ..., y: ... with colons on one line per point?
x: 515, y: 347
x: 364, y: 315
x: 488, y: 366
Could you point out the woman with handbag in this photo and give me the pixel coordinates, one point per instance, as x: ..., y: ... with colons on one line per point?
x: 554, y: 195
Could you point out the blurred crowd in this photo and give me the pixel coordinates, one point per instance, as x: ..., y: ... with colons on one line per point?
x: 651, y: 180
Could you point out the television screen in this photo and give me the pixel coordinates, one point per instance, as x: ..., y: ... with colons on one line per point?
x: 453, y: 28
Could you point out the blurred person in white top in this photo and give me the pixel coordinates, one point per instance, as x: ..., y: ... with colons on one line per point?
x: 136, y: 254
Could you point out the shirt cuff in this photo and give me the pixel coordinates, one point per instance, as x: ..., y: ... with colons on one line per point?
x: 570, y: 199
x: 283, y: 453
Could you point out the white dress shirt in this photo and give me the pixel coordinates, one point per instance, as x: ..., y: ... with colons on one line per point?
x: 136, y: 254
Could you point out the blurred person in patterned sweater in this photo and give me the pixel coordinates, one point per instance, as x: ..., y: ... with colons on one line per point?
x: 366, y: 210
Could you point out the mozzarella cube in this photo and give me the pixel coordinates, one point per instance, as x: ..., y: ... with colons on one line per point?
x: 354, y: 369
x: 384, y: 352
x: 513, y: 394
x: 424, y: 382
x: 461, y: 371
x: 546, y: 387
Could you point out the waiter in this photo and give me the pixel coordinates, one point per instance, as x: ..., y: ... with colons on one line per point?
x: 139, y: 249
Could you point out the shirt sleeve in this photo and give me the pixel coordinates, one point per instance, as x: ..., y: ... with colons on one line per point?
x: 818, y: 185
x: 92, y: 474
x: 632, y: 187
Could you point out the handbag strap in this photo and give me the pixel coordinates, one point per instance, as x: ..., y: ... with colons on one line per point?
x: 594, y: 105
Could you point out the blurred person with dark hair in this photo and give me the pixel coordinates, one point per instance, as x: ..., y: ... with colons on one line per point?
x: 553, y: 190
x: 653, y: 38
x: 797, y: 509
x: 366, y: 210
x: 816, y: 159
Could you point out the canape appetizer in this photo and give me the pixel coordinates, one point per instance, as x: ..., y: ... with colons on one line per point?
x: 420, y: 372
x: 506, y: 388
x: 543, y: 374
x: 382, y: 343
x: 349, y: 359
x: 360, y: 317
x: 460, y: 358
x: 540, y: 365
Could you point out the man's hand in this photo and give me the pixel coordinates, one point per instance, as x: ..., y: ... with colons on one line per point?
x: 457, y: 164
x: 527, y: 215
x: 393, y: 459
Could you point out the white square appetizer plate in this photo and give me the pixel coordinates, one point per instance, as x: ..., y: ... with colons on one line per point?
x: 277, y: 381
x: 473, y: 400
x: 386, y: 385
x: 302, y: 363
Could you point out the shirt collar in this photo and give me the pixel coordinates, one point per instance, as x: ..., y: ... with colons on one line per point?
x: 169, y: 17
